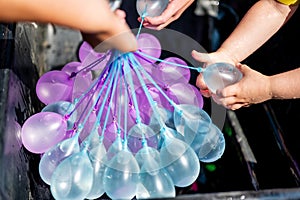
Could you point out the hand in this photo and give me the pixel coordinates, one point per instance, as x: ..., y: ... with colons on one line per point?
x: 253, y: 88
x: 207, y: 59
x: 173, y: 11
x: 95, y: 39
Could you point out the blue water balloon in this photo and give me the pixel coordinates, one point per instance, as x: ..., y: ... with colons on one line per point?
x: 180, y: 161
x: 114, y: 4
x: 121, y: 176
x: 63, y: 108
x: 136, y: 135
x: 151, y: 8
x: 154, y: 181
x: 73, y: 177
x: 165, y: 115
x: 219, y: 75
x: 189, y: 120
x: 115, y: 148
x: 209, y: 146
x: 53, y: 157
x: 97, y: 157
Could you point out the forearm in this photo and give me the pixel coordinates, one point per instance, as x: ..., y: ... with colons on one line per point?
x: 78, y: 14
x: 92, y: 17
x: 286, y: 85
x: 258, y: 25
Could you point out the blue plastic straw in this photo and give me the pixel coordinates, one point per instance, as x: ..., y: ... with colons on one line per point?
x: 141, y: 55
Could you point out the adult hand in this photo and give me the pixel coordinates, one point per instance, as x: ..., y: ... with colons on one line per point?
x: 253, y: 88
x: 207, y: 59
x: 173, y: 11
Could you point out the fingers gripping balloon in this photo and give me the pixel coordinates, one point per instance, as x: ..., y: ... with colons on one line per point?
x: 121, y: 125
x: 151, y: 8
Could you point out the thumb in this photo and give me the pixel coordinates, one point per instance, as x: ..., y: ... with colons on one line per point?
x: 201, y: 57
x: 243, y: 68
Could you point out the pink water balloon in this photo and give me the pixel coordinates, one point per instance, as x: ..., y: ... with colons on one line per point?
x: 42, y: 131
x: 54, y: 86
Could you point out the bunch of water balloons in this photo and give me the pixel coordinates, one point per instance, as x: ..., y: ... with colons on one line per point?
x: 125, y: 124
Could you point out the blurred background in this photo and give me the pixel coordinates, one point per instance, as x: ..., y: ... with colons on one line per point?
x: 262, y: 155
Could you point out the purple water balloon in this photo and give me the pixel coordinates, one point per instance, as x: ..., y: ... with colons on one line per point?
x: 54, y: 86
x: 88, y: 56
x: 71, y: 67
x: 84, y: 50
x: 182, y: 93
x: 43, y: 130
x: 81, y: 85
x: 63, y: 108
x: 156, y: 95
x: 149, y: 45
x: 112, y: 130
x: 170, y: 74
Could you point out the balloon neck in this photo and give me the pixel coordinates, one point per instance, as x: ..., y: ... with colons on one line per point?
x: 73, y: 74
x: 179, y: 111
x: 144, y: 142
x: 200, y: 69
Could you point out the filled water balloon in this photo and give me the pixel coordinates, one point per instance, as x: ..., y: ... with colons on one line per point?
x: 180, y: 161
x: 170, y: 74
x: 112, y: 131
x: 154, y: 181
x: 182, y: 93
x: 149, y: 45
x: 115, y: 148
x: 73, y: 177
x: 97, y: 158
x: 151, y: 8
x: 84, y: 50
x: 63, y: 108
x: 43, y: 130
x: 219, y: 75
x: 114, y: 4
x: 54, y: 86
x: 212, y: 145
x: 156, y: 95
x: 54, y: 156
x: 81, y: 85
x: 121, y: 176
x: 72, y: 67
x: 189, y: 120
x: 137, y: 134
x: 165, y: 116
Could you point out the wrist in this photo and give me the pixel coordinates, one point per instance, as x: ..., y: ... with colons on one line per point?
x: 271, y: 92
x: 226, y: 56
